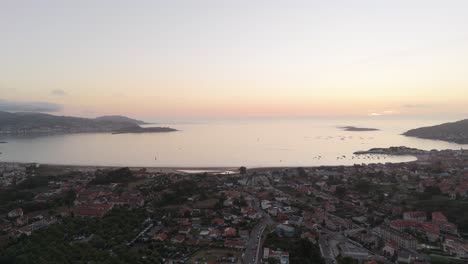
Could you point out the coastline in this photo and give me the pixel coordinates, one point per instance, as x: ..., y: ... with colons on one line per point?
x: 222, y: 169
x: 163, y: 169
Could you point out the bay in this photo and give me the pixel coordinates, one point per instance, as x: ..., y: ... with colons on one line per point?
x: 228, y: 143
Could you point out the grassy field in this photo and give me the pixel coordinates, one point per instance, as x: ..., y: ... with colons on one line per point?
x: 207, y: 255
x: 435, y: 259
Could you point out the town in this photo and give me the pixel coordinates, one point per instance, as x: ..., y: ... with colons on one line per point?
x: 415, y: 212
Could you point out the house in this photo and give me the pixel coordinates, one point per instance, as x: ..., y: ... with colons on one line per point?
x: 91, y: 210
x: 285, y: 231
x: 236, y: 244
x: 272, y: 211
x: 456, y: 248
x: 244, y: 234
x: 228, y: 203
x: 185, y: 211
x: 215, y: 234
x: 178, y: 239
x: 18, y: 212
x: 404, y: 257
x: 160, y: 237
x: 390, y: 249
x: 184, y: 222
x: 439, y: 217
x: 281, y: 256
x: 310, y: 236
x: 20, y: 221
x: 218, y: 222
x: 192, y: 242
x: 25, y: 230
x: 185, y: 230
x: 281, y: 217
x: 230, y: 232
x: 265, y: 204
x: 404, y: 224
x: 415, y: 216
x: 448, y: 228
x: 196, y: 223
x: 397, y: 211
x: 329, y: 207
x: 296, y: 220
x: 432, y: 231
x: 204, y: 233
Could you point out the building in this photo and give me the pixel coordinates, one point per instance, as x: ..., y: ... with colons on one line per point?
x: 401, y: 239
x: 456, y: 248
x: 160, y: 237
x: 236, y: 244
x: 91, y: 210
x: 415, y: 216
x: 431, y: 231
x: 185, y: 230
x: 178, y: 239
x: 282, y: 256
x: 230, y: 232
x: 439, y: 218
x: 18, y: 212
x: 285, y: 231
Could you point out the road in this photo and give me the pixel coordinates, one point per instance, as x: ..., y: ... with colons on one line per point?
x: 254, y: 245
x: 330, y: 252
x: 327, y: 254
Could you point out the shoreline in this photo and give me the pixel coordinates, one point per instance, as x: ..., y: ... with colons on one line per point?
x: 200, y: 169
x: 165, y: 169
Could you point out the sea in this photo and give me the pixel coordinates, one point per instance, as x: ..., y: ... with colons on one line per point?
x: 266, y: 142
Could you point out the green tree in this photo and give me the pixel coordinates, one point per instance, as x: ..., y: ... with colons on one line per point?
x: 243, y: 170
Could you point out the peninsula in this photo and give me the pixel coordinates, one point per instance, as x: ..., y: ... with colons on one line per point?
x: 27, y: 123
x: 456, y: 132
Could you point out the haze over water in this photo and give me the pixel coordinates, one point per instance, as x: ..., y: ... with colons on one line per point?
x: 252, y: 143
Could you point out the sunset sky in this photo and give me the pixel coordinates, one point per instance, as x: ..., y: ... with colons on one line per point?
x: 194, y: 59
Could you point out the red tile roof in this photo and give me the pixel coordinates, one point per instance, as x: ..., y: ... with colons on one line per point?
x: 92, y: 210
x: 230, y: 232
x: 439, y: 217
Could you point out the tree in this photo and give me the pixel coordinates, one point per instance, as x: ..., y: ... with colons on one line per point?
x: 243, y: 170
x: 340, y: 191
x: 346, y: 260
x: 362, y: 186
x: 302, y: 172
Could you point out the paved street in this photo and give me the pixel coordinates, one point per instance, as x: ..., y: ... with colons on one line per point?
x: 254, y: 246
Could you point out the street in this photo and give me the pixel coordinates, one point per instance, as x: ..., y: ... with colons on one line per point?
x: 254, y: 246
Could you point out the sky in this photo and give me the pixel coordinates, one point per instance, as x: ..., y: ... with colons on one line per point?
x: 217, y: 58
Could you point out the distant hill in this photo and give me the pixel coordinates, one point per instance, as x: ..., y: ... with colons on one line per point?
x: 456, y: 132
x: 119, y: 118
x: 39, y: 123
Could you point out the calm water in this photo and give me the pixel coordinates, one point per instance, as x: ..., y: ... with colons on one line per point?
x: 252, y: 143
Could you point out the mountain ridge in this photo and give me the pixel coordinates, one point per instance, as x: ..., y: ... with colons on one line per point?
x: 121, y: 118
x: 456, y: 132
x: 22, y: 123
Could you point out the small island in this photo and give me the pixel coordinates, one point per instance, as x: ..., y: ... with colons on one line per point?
x: 357, y: 129
x: 395, y: 151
